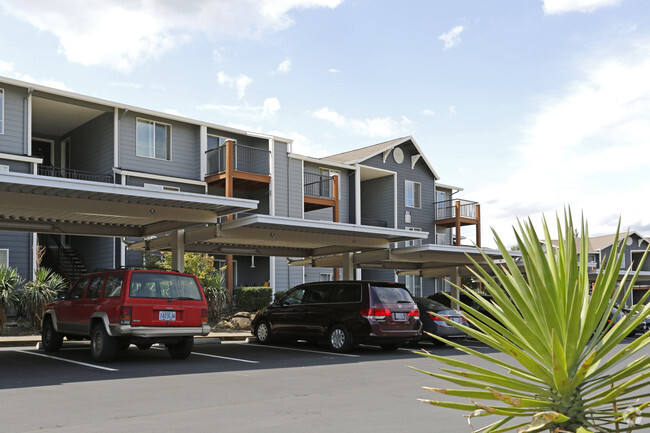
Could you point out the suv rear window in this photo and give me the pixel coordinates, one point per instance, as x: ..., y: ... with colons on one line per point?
x: 163, y: 286
x: 389, y: 295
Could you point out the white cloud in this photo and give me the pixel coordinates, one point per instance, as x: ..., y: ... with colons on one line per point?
x: 126, y: 84
x: 284, y: 67
x: 452, y: 37
x: 240, y: 82
x: 452, y: 110
x: 88, y: 34
x: 334, y: 71
x: 216, y: 56
x: 552, y: 7
x: 380, y: 127
x: 587, y: 148
x: 428, y: 112
x: 267, y: 111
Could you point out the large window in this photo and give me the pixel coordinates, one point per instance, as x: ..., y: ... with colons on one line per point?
x: 412, y: 194
x: 2, y: 111
x: 4, y: 258
x: 154, y: 139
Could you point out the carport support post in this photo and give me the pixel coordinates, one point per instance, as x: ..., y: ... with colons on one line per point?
x: 455, y: 293
x: 348, y: 267
x: 178, y: 250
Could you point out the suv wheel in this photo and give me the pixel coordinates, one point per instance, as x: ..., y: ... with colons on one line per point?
x: 51, y: 339
x: 339, y: 339
x: 263, y: 332
x: 103, y: 347
x: 181, y: 350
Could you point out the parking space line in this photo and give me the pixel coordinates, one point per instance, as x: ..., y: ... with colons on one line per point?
x: 225, y: 357
x: 67, y: 360
x: 308, y: 351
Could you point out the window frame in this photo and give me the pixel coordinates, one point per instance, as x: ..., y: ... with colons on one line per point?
x: 221, y: 140
x: 168, y: 142
x: 417, y: 198
x: 6, y: 264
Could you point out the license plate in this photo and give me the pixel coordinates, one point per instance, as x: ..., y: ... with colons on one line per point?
x: 400, y: 316
x: 167, y: 315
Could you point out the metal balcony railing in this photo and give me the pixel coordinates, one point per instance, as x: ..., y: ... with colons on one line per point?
x: 447, y: 209
x: 45, y: 170
x: 318, y: 185
x: 246, y: 159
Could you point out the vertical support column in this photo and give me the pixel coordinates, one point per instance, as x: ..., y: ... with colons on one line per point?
x: 178, y: 250
x: 455, y: 293
x: 335, y: 193
x: 478, y: 225
x: 35, y: 263
x: 457, y: 223
x: 230, y: 192
x: 348, y: 267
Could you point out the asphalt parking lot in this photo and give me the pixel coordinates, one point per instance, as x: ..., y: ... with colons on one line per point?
x: 232, y: 386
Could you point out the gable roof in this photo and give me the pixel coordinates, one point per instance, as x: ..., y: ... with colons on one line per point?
x: 357, y: 156
x: 599, y: 243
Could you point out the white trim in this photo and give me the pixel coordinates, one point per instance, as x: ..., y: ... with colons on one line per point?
x: 6, y: 264
x: 116, y: 137
x: 2, y: 111
x: 272, y: 175
x: 34, y: 249
x: 451, y: 187
x: 28, y: 135
x: 357, y: 188
x: 302, y: 188
x: 141, y: 175
x: 203, y: 148
x: 414, y: 160
x: 157, y: 187
x: 395, y: 203
x: 21, y: 158
x: 168, y: 151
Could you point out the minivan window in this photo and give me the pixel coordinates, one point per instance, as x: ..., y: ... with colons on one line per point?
x: 347, y: 293
x: 389, y: 295
x: 318, y: 295
x: 293, y: 297
x: 163, y: 286
x: 113, y: 287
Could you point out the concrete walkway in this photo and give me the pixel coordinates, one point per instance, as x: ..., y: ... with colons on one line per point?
x: 212, y: 337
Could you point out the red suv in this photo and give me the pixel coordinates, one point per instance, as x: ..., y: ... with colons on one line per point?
x: 114, y: 309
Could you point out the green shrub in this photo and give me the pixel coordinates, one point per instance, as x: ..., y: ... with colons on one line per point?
x: 10, y: 280
x: 40, y: 292
x: 252, y: 298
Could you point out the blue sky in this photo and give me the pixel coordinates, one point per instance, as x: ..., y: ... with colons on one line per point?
x: 530, y: 106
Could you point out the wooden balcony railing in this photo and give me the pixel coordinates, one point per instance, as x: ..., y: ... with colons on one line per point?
x: 458, y: 213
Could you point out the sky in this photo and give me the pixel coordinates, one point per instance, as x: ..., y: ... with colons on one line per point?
x: 529, y: 106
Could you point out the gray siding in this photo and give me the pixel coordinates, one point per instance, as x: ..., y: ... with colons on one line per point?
x: 97, y: 253
x: 185, y: 149
x: 139, y: 181
x: 378, y: 202
x: 287, y: 276
x: 352, y: 186
x: 288, y: 183
x: 422, y: 217
x: 17, y: 166
x: 13, y: 138
x: 91, y: 145
x: 20, y: 247
x: 252, y: 277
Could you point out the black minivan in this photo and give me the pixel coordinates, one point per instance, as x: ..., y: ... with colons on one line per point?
x: 343, y: 314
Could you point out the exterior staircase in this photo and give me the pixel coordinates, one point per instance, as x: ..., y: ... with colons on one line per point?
x: 63, y: 260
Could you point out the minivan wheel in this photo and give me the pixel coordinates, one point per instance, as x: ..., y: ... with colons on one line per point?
x: 52, y: 340
x: 263, y: 332
x: 339, y: 339
x: 103, y: 347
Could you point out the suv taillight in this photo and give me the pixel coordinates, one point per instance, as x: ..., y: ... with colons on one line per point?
x: 376, y: 313
x: 125, y: 315
x: 204, y: 316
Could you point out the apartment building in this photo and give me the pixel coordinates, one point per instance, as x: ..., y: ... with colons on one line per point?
x: 97, y: 183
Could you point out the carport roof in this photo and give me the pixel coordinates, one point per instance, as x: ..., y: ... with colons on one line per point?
x: 30, y: 203
x: 423, y: 260
x: 267, y: 235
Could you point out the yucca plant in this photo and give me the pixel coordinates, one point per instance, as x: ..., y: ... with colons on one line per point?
x: 568, y: 372
x: 10, y: 281
x: 216, y: 293
x: 40, y: 292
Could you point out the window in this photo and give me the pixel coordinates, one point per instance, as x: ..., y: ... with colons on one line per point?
x: 215, y: 141
x: 95, y: 287
x: 412, y: 194
x: 414, y: 284
x: 79, y: 288
x: 113, y: 287
x: 161, y: 187
x: 414, y: 242
x: 2, y: 111
x: 153, y: 139
x: 4, y: 258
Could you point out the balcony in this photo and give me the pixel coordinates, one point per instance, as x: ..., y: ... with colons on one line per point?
x: 237, y: 167
x: 322, y: 192
x: 459, y: 213
x: 45, y: 170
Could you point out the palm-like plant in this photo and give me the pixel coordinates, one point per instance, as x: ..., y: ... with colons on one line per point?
x: 40, y: 292
x: 569, y: 373
x: 10, y: 280
x: 216, y: 293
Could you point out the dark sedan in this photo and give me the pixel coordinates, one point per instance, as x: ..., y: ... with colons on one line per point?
x: 437, y: 326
